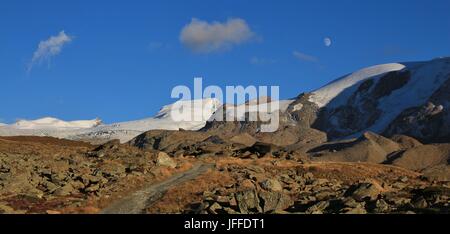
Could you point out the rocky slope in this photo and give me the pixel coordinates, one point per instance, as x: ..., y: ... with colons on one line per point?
x: 280, y: 187
x: 432, y: 159
x: 48, y: 175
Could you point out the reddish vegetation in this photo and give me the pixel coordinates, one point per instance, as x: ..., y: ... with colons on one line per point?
x: 24, y: 186
x: 53, y: 176
x: 183, y: 197
x: 179, y: 198
x: 353, y: 172
x: 46, y: 140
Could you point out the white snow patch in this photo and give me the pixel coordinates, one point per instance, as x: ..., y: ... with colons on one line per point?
x: 297, y: 107
x: 53, y: 123
x: 194, y: 110
x: 327, y: 93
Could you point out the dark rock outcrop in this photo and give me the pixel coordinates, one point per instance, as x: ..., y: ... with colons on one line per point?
x: 361, y: 109
x: 429, y: 122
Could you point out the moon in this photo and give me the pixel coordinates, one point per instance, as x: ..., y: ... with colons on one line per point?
x: 327, y: 41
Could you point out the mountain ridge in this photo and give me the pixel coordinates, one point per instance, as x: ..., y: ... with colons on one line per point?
x: 377, y: 98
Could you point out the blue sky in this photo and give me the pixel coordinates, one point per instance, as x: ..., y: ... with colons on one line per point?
x: 121, y: 59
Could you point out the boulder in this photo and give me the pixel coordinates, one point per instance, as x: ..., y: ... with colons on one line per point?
x: 58, y: 178
x: 113, y: 170
x: 51, y: 187
x: 381, y: 206
x: 163, y: 159
x: 272, y: 185
x: 64, y: 191
x: 91, y: 179
x: 318, y: 208
x: 248, y: 202
x: 246, y: 184
x: 420, y: 203
x: 363, y: 191
x: 77, y: 184
x: 214, y: 208
x: 358, y: 210
x: 228, y: 210
x: 92, y: 188
x: 352, y: 203
x: 275, y: 201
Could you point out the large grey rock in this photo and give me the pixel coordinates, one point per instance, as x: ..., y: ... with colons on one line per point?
x: 363, y: 191
x: 272, y: 185
x: 248, y: 202
x: 352, y: 203
x: 318, y: 208
x: 381, y: 206
x: 64, y: 191
x: 358, y: 210
x: 162, y: 159
x: 275, y: 201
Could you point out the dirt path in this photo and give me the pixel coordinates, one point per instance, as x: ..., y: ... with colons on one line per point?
x: 137, y: 202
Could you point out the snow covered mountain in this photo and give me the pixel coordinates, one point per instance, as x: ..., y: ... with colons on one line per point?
x: 95, y: 131
x: 398, y: 98
x: 372, y: 98
x: 410, y: 98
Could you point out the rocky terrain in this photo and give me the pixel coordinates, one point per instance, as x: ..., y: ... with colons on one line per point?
x: 282, y: 187
x: 370, y: 174
x: 374, y: 141
x: 47, y: 175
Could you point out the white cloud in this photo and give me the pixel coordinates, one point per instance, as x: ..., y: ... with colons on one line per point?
x: 305, y: 57
x: 203, y: 37
x: 49, y: 48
